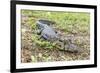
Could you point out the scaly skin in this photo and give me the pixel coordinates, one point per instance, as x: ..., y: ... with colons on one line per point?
x: 47, y: 32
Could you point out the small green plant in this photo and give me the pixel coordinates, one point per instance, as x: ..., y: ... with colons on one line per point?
x: 42, y: 43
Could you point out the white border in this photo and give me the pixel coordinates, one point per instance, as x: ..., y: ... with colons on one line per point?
x: 20, y: 65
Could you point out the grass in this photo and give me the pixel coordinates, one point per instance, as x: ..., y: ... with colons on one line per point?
x: 66, y: 21
x: 74, y: 23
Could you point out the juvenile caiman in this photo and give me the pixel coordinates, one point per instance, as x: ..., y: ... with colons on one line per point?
x: 48, y: 33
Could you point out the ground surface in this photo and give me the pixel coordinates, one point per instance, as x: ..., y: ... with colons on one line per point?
x: 67, y: 24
